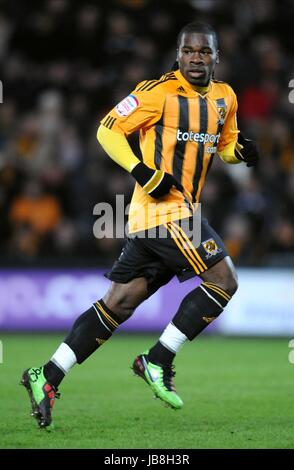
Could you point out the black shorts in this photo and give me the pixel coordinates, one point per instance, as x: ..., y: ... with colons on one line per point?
x: 159, y: 258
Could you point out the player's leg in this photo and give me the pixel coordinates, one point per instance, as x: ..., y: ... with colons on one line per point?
x: 90, y: 330
x: 88, y: 333
x: 197, y: 310
x: 95, y: 326
x: 135, y: 275
x: 201, y: 306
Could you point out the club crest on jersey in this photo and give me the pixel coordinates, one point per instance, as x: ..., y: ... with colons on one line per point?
x: 211, y: 247
x: 127, y: 105
x: 222, y: 112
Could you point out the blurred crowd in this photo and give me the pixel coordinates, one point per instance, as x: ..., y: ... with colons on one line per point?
x: 66, y: 63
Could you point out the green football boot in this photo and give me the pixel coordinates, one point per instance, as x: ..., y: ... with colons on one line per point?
x: 42, y: 395
x: 160, y: 379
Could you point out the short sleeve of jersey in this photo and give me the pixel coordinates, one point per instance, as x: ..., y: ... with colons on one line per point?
x: 138, y: 110
x: 230, y: 131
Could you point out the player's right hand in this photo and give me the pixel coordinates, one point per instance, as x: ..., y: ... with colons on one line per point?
x: 156, y: 183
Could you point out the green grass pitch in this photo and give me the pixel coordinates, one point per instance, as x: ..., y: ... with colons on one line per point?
x: 238, y: 393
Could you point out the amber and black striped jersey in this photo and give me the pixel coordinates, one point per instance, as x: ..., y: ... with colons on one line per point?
x: 180, y: 131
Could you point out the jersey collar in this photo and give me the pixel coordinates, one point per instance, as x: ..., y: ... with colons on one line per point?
x: 201, y: 90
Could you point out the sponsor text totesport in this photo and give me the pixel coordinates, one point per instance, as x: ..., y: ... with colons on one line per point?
x: 201, y: 138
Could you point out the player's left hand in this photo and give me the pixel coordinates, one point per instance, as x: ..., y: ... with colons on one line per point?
x: 247, y: 151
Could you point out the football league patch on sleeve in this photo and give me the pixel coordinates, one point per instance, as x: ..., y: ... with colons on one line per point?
x: 127, y: 105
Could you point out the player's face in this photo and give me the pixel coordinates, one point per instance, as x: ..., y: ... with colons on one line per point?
x: 197, y: 57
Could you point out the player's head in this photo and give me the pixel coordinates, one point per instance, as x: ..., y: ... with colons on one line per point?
x: 197, y: 52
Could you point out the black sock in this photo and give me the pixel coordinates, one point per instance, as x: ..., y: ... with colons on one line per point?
x: 199, y: 308
x: 91, y: 330
x: 159, y: 354
x: 53, y: 374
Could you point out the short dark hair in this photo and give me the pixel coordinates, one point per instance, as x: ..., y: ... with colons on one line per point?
x: 198, y: 27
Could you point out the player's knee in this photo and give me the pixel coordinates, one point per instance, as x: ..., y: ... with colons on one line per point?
x: 124, y: 307
x: 229, y: 285
x: 123, y: 299
x: 121, y: 305
x: 232, y: 286
x: 224, y: 276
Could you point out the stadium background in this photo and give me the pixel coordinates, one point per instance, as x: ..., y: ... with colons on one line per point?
x: 64, y: 65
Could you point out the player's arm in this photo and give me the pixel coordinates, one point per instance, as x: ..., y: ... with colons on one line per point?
x: 156, y: 183
x: 233, y: 148
x: 117, y: 147
x: 135, y: 111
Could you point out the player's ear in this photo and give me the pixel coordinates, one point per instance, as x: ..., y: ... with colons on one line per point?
x: 217, y: 57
